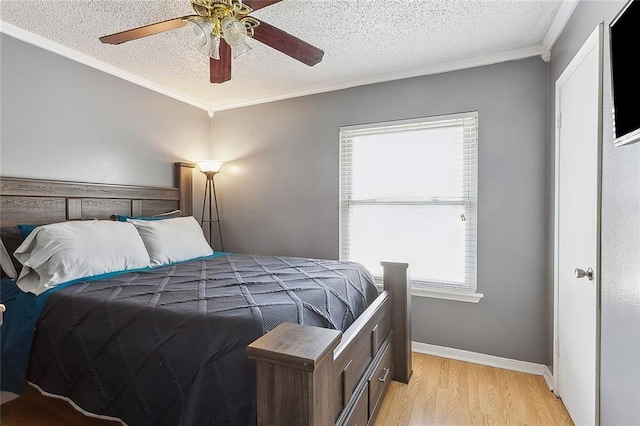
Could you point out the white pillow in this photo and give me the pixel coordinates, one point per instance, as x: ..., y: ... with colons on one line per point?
x: 6, y: 263
x: 61, y: 252
x: 172, y: 240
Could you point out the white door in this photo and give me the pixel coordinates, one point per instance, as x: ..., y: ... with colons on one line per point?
x: 577, y: 230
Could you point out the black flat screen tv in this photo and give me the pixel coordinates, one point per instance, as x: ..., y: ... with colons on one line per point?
x: 624, y: 34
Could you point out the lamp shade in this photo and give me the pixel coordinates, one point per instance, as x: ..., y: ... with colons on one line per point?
x: 207, y: 42
x: 235, y: 33
x: 210, y: 166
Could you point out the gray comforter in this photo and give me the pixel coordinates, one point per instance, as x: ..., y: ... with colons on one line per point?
x: 168, y: 346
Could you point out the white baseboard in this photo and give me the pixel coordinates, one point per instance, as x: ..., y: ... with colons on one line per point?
x: 488, y: 360
x: 548, y: 377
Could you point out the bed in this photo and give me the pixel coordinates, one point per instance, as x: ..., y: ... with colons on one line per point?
x: 332, y: 369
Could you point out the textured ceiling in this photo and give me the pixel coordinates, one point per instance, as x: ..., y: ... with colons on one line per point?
x: 364, y: 41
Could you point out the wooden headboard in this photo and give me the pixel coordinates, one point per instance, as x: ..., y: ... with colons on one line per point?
x: 37, y: 201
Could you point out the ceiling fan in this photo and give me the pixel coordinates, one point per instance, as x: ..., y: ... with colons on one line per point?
x: 222, y: 27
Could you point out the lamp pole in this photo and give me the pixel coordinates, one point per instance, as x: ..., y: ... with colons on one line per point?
x: 210, y: 191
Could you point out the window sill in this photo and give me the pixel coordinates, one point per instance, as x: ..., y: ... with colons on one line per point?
x: 446, y: 295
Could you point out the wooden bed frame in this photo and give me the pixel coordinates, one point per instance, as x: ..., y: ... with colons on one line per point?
x: 305, y: 375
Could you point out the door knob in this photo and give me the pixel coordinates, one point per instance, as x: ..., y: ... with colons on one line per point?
x: 581, y: 273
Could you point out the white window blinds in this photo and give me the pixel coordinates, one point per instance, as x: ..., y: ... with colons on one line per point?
x: 408, y: 193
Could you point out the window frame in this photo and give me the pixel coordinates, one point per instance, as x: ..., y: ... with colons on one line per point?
x: 441, y: 290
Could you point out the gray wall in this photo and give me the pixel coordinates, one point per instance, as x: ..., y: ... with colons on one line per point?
x: 620, y: 263
x: 63, y: 120
x: 279, y: 191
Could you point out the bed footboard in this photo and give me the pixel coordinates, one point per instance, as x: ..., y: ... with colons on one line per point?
x: 316, y: 376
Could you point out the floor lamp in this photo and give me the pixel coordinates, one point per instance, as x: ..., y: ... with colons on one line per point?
x: 210, y: 169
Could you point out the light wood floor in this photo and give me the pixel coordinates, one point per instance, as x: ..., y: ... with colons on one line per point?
x: 448, y: 392
x: 441, y: 392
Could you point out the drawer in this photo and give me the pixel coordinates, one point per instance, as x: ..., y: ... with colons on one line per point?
x: 360, y: 414
x: 378, y: 333
x: 382, y: 375
x: 355, y: 353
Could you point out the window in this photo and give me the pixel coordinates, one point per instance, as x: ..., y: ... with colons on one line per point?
x: 408, y: 193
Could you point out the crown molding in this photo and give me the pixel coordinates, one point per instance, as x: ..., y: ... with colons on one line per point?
x: 478, y: 61
x: 558, y: 24
x: 74, y: 55
x: 472, y: 62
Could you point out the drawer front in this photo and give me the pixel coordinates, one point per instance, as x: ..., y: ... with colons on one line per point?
x: 351, y: 363
x: 379, y: 332
x: 360, y: 414
x: 381, y: 376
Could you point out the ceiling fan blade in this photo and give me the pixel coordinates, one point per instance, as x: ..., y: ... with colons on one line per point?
x: 220, y: 69
x: 287, y: 44
x: 147, y: 30
x: 259, y: 4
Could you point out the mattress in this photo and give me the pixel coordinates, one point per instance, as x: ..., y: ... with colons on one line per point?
x: 167, y: 346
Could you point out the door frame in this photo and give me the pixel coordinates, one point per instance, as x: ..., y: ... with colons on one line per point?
x: 595, y: 40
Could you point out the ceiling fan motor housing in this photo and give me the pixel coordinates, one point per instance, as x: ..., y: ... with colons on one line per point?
x: 220, y: 8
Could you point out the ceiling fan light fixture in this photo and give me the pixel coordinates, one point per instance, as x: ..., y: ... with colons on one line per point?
x: 198, y: 31
x: 201, y: 28
x: 235, y: 34
x: 240, y: 49
x: 233, y: 31
x: 207, y: 42
x: 213, y: 49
